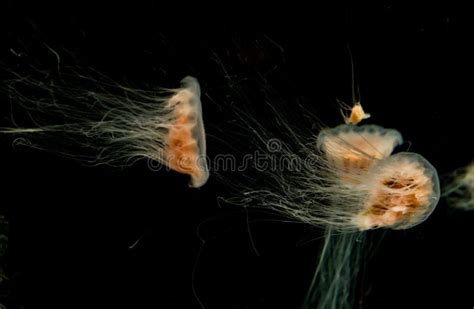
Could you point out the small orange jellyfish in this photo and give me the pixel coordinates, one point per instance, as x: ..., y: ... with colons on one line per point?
x: 117, y: 125
x: 357, y: 114
x: 185, y: 145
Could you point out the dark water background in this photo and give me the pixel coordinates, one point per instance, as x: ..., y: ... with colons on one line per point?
x: 71, y: 226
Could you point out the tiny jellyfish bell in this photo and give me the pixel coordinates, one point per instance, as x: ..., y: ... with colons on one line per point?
x: 185, y: 145
x: 357, y: 115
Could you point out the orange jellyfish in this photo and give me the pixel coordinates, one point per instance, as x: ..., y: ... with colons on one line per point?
x: 114, y: 124
x: 376, y: 188
x: 404, y: 190
x: 348, y: 179
x: 185, y: 149
x: 357, y: 114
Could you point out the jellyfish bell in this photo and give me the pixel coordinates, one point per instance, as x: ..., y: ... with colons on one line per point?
x: 368, y: 140
x: 353, y: 149
x: 185, y: 146
x: 357, y: 114
x: 403, y: 191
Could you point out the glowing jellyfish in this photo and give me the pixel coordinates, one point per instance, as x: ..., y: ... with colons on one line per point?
x: 185, y: 146
x: 396, y: 191
x: 116, y: 125
x: 459, y: 192
x: 342, y: 179
x: 381, y: 190
x: 346, y: 181
x: 388, y: 191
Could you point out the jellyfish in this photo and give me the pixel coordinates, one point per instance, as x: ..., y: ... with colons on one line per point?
x: 185, y: 143
x: 108, y: 123
x: 357, y: 114
x: 347, y: 181
x: 459, y: 191
x: 397, y: 191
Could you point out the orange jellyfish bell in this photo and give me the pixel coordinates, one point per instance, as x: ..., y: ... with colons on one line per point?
x: 185, y: 145
x: 403, y: 191
x: 357, y: 114
x: 354, y: 149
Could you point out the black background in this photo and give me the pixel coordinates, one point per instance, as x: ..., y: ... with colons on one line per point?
x: 71, y: 226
